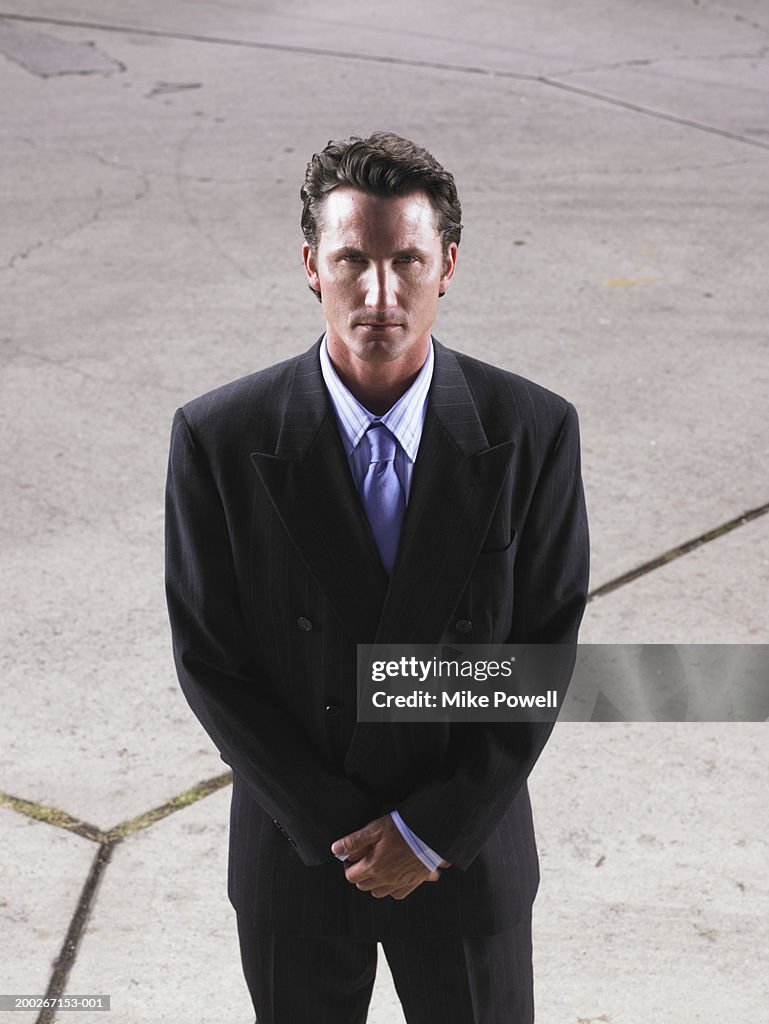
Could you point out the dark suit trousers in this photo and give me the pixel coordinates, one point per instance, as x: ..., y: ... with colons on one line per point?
x: 452, y: 979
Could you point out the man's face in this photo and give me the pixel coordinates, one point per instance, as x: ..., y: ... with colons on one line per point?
x: 379, y: 268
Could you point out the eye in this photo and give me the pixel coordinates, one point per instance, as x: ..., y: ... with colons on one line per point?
x: 351, y: 257
x: 407, y: 259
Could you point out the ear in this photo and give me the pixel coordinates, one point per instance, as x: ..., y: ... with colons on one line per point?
x: 449, y: 266
x: 310, y: 261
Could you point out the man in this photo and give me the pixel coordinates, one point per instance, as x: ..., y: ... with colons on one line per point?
x: 379, y: 487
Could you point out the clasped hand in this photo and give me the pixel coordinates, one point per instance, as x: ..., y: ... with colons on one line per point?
x: 380, y: 861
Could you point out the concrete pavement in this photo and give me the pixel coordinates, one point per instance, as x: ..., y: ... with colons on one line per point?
x: 612, y: 168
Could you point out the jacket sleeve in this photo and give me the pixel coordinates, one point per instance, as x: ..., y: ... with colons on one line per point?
x: 218, y: 667
x: 457, y: 810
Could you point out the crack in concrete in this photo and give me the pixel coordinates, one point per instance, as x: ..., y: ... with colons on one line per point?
x: 669, y: 59
x: 677, y: 552
x: 568, y: 174
x: 62, y: 364
x: 752, y: 24
x: 741, y: 88
x: 116, y: 163
x: 729, y: 12
x: 402, y: 62
x: 707, y: 166
x: 142, y: 191
x: 22, y: 254
x: 189, y: 213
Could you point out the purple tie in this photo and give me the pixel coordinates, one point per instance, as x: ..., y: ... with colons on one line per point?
x: 382, y: 494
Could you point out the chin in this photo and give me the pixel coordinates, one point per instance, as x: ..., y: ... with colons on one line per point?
x: 379, y: 349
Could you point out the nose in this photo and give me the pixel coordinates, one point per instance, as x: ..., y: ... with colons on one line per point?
x: 381, y: 291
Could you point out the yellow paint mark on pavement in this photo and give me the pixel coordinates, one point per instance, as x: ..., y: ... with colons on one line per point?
x: 630, y: 282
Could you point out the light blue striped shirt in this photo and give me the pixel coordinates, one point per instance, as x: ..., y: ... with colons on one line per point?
x: 405, y: 420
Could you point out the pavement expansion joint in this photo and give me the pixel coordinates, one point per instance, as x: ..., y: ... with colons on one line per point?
x: 402, y: 61
x: 176, y: 803
x: 62, y: 965
x: 313, y: 51
x: 107, y: 841
x: 682, y: 549
x: 662, y: 115
x: 52, y: 816
x: 61, y: 819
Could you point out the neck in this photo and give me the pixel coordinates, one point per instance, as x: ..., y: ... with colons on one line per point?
x: 378, y: 385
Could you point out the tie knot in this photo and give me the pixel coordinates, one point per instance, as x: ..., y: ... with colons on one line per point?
x: 382, y: 443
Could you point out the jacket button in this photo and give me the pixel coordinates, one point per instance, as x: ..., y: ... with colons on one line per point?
x: 463, y: 626
x: 304, y: 624
x: 332, y: 710
x: 283, y: 832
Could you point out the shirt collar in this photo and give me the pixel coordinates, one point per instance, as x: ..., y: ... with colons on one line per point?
x: 405, y: 419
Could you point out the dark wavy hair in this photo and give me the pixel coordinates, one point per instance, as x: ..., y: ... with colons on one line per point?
x: 384, y: 164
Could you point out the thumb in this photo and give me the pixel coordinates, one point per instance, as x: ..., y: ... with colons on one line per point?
x: 356, y: 842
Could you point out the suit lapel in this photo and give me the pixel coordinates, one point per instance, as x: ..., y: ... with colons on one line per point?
x: 456, y: 484
x: 311, y: 488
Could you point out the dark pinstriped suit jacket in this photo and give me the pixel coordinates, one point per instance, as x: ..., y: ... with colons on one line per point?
x: 273, y: 578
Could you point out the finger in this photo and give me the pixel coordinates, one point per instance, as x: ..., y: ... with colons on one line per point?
x: 379, y: 894
x: 358, y: 870
x: 434, y: 876
x: 402, y: 892
x: 342, y: 848
x: 368, y: 886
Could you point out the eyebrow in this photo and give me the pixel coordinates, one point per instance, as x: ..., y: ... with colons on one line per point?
x: 411, y: 250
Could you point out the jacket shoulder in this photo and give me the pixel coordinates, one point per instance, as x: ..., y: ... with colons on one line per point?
x: 250, y: 405
x: 507, y: 401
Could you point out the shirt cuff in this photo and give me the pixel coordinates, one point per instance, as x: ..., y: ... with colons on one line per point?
x: 429, y: 858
